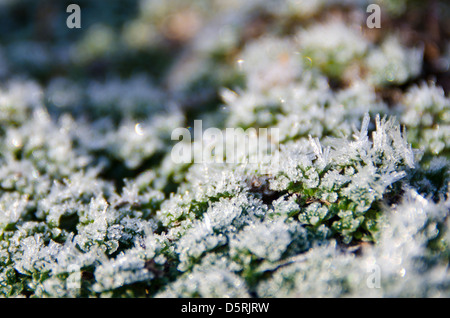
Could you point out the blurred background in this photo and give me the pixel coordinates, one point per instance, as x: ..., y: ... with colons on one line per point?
x: 176, y: 44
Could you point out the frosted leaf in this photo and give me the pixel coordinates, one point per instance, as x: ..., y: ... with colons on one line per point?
x: 320, y: 272
x: 267, y: 240
x: 13, y: 207
x: 125, y: 269
x: 213, y: 277
x: 214, y: 283
x: 313, y: 214
x: 197, y: 240
x: 285, y: 206
x: 231, y: 214
x: 402, y: 249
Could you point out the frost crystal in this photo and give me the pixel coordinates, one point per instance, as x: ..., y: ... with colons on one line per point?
x: 348, y: 196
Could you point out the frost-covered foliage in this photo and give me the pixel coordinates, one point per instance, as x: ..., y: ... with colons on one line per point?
x: 427, y: 115
x: 393, y: 63
x: 353, y: 199
x: 332, y: 46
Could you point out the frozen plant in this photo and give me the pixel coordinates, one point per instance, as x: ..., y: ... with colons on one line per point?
x: 352, y: 199
x: 426, y: 112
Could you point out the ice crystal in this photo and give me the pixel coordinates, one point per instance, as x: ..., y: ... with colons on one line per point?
x: 349, y: 197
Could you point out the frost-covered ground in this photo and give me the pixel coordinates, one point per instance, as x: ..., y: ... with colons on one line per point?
x: 352, y: 201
